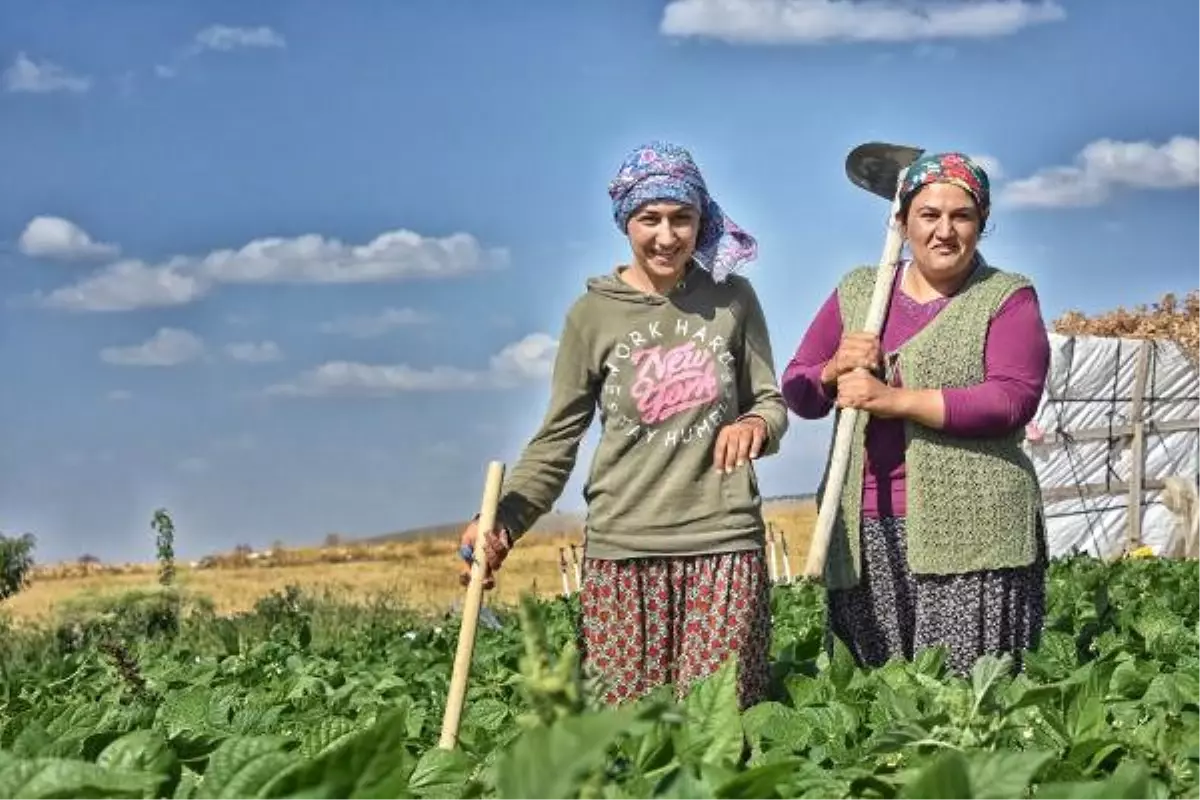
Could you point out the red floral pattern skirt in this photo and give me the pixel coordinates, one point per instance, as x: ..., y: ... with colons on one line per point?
x: 652, y: 621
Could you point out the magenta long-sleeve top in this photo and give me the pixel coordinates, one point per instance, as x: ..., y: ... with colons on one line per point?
x: 1017, y: 357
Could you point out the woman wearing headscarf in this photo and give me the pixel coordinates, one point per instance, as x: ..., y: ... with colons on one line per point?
x: 672, y: 351
x: 940, y: 539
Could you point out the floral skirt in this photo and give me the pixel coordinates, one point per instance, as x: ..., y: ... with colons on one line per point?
x: 893, y: 613
x: 652, y: 621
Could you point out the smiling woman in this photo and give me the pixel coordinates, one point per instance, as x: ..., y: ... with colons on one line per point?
x: 940, y: 541
x: 671, y: 350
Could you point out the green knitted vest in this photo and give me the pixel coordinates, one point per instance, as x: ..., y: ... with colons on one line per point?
x: 973, y: 504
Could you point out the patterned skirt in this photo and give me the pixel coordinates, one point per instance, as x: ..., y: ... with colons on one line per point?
x: 652, y: 621
x: 892, y: 613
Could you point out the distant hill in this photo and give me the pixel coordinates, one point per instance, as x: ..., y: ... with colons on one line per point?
x: 554, y: 522
x: 551, y: 523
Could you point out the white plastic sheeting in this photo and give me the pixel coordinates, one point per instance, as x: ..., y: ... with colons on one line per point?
x: 1080, y: 451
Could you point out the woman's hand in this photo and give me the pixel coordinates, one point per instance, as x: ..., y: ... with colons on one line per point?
x: 864, y: 391
x: 856, y: 351
x: 495, y: 548
x: 738, y: 443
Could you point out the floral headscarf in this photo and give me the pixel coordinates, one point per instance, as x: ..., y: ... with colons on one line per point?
x: 954, y: 168
x: 665, y: 171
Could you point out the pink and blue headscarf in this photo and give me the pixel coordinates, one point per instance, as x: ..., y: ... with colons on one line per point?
x: 663, y: 171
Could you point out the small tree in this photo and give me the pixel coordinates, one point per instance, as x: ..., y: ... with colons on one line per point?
x: 165, y: 529
x: 16, y: 561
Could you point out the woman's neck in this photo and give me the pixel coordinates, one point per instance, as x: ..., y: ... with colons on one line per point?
x: 922, y: 288
x: 643, y: 280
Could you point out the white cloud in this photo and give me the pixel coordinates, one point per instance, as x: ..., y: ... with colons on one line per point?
x: 1106, y: 165
x: 26, y: 75
x: 991, y: 165
x: 168, y: 347
x: 350, y: 378
x: 55, y: 237
x: 132, y: 284
x: 528, y: 360
x: 222, y: 39
x: 117, y: 395
x: 254, y: 352
x: 773, y: 22
x: 368, y: 326
x: 314, y: 259
x: 391, y: 256
x: 225, y: 38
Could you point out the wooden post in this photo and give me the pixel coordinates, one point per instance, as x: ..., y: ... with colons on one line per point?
x: 1137, y: 448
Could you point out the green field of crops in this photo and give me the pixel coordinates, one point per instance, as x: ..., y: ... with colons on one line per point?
x: 308, y: 698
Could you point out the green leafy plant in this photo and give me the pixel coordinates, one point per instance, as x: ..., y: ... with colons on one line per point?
x: 307, y: 697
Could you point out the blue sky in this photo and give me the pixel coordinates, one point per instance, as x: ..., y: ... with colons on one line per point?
x: 290, y: 269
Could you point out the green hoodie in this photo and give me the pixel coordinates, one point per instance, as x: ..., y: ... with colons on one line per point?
x: 666, y: 373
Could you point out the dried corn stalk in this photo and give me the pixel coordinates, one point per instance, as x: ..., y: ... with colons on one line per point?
x: 1167, y: 319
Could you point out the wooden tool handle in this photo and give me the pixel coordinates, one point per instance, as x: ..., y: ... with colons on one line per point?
x: 470, y: 615
x: 818, y: 549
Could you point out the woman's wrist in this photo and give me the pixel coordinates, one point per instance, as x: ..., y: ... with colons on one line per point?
x: 923, y: 406
x: 828, y: 372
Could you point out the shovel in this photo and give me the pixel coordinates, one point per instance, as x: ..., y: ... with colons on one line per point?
x: 878, y: 167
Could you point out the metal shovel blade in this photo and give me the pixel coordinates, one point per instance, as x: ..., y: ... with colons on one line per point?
x: 876, y: 166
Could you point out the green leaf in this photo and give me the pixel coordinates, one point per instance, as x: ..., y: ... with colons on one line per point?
x: 140, y: 751
x: 760, y: 781
x: 440, y: 773
x: 948, y: 776
x: 714, y: 719
x: 553, y: 762
x: 1085, y: 714
x: 987, y: 676
x: 328, y: 733
x: 185, y: 711
x: 1130, y: 780
x: 244, y: 766
x: 375, y: 762
x: 487, y: 713
x: 60, y: 777
x: 1130, y: 678
x: 1002, y: 774
x: 143, y: 751
x: 841, y: 665
x: 685, y: 783
x: 774, y: 723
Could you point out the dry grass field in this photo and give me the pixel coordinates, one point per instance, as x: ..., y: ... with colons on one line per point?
x: 422, y: 573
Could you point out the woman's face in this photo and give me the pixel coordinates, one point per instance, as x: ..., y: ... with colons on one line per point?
x: 663, y: 237
x: 942, y: 228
